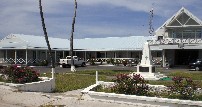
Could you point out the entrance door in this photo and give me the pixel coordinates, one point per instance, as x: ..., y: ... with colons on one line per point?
x: 184, y: 56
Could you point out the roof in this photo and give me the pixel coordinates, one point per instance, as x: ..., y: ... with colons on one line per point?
x: 176, y: 21
x: 21, y: 41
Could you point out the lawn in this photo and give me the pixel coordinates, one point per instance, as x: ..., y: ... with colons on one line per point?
x: 82, y: 79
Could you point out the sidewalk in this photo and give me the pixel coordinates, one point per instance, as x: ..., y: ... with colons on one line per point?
x: 11, y: 98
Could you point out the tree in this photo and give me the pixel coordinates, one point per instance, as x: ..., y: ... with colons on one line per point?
x: 46, y: 38
x: 72, y: 37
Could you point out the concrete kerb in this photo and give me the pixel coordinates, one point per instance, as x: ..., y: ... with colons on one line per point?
x: 46, y: 85
x: 112, y: 97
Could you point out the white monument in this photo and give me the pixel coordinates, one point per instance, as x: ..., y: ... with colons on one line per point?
x: 146, y: 64
x: 146, y: 69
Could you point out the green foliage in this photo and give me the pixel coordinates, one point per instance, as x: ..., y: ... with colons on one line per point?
x: 112, y: 61
x: 68, y: 82
x: 184, y: 88
x: 132, y: 85
x: 92, y: 61
x: 108, y: 61
x: 124, y: 62
x: 105, y: 72
x: 43, y: 63
x: 193, y: 75
x: 1, y: 79
x: 21, y: 75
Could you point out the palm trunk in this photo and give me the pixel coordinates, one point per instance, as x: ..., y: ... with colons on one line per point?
x: 46, y: 38
x: 71, y: 39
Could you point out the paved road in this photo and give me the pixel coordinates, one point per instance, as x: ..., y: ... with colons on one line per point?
x: 60, y: 70
x: 105, y: 67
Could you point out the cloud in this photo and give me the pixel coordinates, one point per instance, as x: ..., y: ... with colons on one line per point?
x: 96, y: 18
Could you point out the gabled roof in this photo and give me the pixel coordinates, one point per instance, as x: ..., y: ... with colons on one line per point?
x: 183, y: 18
x: 20, y: 41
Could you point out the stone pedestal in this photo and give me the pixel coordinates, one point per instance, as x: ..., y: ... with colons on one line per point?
x: 145, y: 68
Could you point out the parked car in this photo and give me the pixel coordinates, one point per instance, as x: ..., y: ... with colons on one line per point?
x: 67, y: 62
x: 196, y: 65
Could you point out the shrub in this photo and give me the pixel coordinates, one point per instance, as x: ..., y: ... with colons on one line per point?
x: 183, y: 88
x: 131, y: 84
x: 124, y: 62
x: 20, y: 74
x: 92, y: 61
x: 108, y: 61
x: 112, y: 61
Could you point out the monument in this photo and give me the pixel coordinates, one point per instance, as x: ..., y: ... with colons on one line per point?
x: 146, y: 69
x: 146, y: 64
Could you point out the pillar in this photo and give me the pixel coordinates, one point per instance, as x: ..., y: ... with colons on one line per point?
x: 63, y: 54
x: 36, y: 56
x: 163, y: 58
x: 26, y: 57
x: 55, y: 56
x: 85, y: 56
x: 6, y: 55
x: 15, y: 56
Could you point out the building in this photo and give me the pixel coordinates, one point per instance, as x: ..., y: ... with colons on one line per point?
x: 180, y: 38
x: 178, y: 41
x: 29, y: 49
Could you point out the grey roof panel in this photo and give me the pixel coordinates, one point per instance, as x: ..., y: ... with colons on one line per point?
x: 20, y: 41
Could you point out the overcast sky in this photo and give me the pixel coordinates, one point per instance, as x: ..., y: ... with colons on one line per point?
x: 95, y: 18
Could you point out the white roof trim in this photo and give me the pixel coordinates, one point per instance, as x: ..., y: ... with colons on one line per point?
x: 170, y: 20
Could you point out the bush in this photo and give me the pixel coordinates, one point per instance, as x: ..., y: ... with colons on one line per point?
x: 124, y: 62
x: 21, y: 75
x: 108, y: 61
x: 132, y: 85
x: 183, y: 88
x: 92, y: 61
x: 112, y: 61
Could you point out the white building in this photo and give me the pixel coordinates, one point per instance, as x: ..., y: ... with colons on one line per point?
x: 179, y: 42
x: 28, y: 49
x: 180, y: 38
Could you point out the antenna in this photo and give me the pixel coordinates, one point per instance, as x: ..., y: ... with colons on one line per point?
x: 151, y: 29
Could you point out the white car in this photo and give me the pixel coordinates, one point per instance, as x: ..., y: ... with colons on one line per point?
x: 67, y: 62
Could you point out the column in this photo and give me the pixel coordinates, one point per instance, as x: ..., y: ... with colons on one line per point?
x: 55, y: 56
x: 63, y: 54
x: 163, y: 57
x: 15, y: 56
x: 85, y: 56
x: 36, y: 56
x: 26, y: 57
x: 6, y: 55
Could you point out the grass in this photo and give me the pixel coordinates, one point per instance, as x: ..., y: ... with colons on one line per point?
x: 82, y: 79
x: 1, y: 79
x: 105, y: 72
x: 193, y: 75
x: 68, y: 82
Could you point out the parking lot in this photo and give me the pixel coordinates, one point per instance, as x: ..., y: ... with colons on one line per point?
x: 107, y: 67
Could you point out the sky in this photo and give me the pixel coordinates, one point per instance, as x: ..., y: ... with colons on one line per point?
x: 95, y: 18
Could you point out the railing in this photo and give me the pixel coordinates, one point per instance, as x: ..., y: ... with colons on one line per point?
x: 175, y: 41
x: 155, y: 60
x: 20, y: 60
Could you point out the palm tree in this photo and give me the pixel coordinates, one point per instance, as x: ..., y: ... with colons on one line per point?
x: 46, y: 38
x: 71, y: 38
